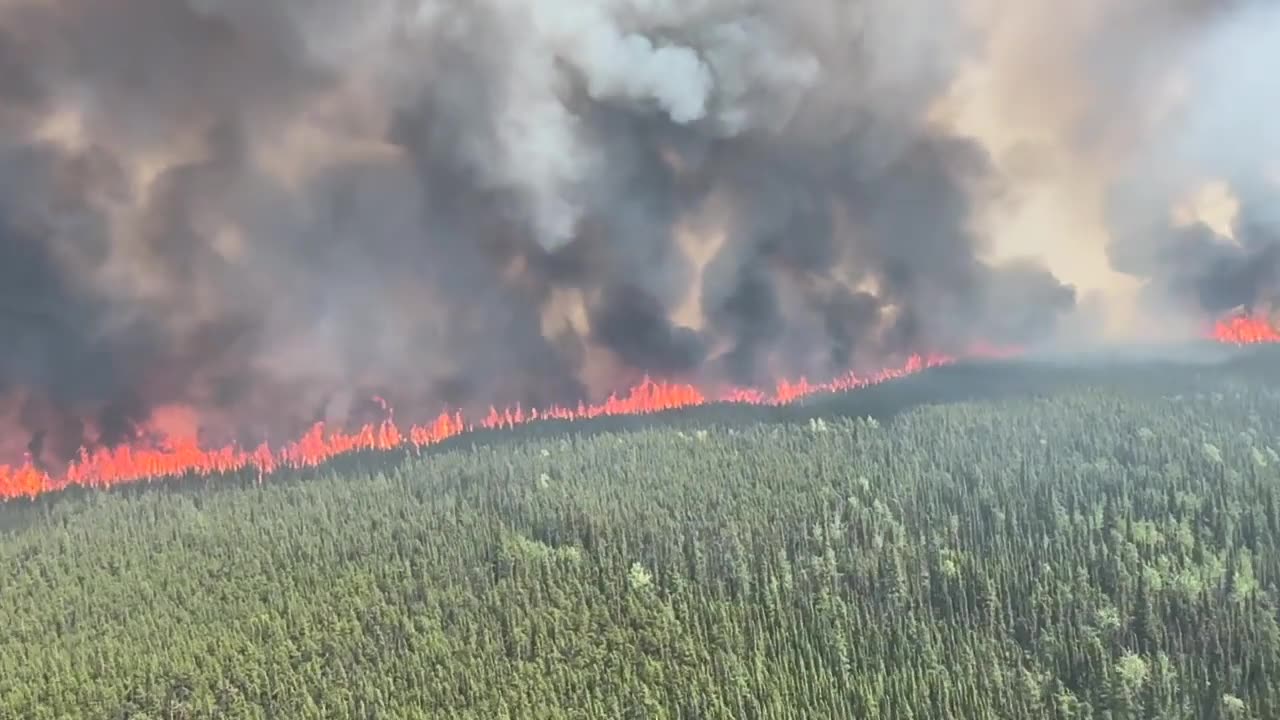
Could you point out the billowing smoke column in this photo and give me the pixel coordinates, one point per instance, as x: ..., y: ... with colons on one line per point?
x: 238, y: 217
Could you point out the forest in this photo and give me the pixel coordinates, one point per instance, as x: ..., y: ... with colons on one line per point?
x: 1075, y: 540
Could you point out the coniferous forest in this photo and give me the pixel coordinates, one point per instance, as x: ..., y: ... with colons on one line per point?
x: 1004, y: 542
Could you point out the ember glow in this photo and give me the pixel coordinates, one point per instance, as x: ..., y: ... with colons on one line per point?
x: 178, y: 457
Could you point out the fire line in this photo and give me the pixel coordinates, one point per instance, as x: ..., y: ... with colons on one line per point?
x: 106, y: 467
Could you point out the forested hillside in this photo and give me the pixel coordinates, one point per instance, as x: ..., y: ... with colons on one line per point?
x: 1054, y: 543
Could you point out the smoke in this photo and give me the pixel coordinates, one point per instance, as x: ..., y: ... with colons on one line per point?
x: 268, y: 210
x: 1213, y: 135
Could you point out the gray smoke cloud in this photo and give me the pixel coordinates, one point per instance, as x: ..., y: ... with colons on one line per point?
x: 271, y: 209
x: 1209, y: 78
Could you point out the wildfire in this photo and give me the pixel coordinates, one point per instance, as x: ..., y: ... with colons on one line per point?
x: 1246, y: 330
x: 107, y: 467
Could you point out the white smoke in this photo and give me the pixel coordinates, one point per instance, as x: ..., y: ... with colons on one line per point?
x: 716, y: 62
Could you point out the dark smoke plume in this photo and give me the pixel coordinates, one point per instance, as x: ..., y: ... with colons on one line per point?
x: 270, y: 209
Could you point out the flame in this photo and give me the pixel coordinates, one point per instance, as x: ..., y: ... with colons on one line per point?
x: 177, y: 456
x: 1246, y: 330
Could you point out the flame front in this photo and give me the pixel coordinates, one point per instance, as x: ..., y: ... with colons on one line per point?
x: 108, y: 467
x: 1246, y: 330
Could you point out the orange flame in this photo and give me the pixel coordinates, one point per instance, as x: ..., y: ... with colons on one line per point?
x: 1245, y: 330
x: 174, y: 457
